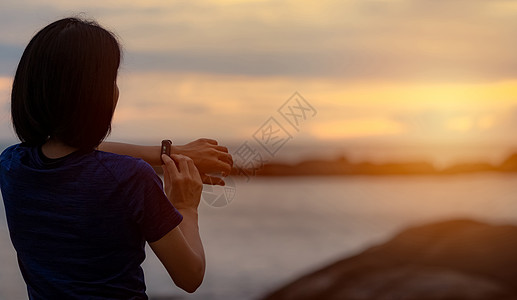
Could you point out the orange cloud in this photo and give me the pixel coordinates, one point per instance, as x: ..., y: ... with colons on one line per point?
x: 5, y: 89
x: 341, y: 129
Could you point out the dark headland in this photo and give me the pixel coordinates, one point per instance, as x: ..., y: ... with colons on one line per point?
x: 342, y: 167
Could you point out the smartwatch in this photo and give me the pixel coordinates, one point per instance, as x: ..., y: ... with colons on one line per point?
x: 166, y: 147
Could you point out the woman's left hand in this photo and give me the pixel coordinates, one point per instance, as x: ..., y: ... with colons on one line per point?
x: 209, y: 158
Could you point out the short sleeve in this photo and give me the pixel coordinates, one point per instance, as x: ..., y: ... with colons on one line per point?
x: 152, y: 210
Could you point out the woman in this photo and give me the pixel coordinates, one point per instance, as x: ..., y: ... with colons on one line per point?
x: 79, y: 217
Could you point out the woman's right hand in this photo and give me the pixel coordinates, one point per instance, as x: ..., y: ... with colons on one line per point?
x: 183, y: 185
x: 181, y: 250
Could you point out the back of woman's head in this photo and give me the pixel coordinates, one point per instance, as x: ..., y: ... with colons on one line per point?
x: 64, y: 85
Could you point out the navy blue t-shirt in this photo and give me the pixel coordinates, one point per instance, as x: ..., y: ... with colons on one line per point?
x: 79, y: 224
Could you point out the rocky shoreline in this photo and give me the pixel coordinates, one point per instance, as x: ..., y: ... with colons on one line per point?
x: 458, y: 259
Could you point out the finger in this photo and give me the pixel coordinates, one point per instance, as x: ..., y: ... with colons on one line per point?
x: 213, y: 180
x: 210, y: 141
x: 193, y: 170
x: 221, y: 148
x: 166, y: 175
x: 227, y: 158
x: 231, y: 160
x: 222, y: 167
x: 169, y: 165
x: 182, y: 163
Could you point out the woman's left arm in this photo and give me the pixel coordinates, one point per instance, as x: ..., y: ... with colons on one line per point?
x: 208, y: 156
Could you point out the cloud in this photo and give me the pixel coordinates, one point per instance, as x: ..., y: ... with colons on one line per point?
x: 373, y: 40
x: 9, y: 57
x: 357, y: 128
x: 5, y: 116
x: 385, y: 68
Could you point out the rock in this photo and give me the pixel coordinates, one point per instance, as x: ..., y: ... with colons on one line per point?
x: 459, y: 259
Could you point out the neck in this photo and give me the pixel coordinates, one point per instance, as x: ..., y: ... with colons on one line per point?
x: 56, y: 149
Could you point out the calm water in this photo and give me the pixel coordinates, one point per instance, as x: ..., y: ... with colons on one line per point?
x: 277, y: 229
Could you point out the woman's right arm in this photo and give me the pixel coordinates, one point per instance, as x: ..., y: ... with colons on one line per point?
x: 181, y: 250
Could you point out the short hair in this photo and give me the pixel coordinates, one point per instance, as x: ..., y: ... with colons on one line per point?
x: 64, y: 85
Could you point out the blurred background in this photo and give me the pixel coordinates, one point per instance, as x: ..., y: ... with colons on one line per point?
x: 411, y: 104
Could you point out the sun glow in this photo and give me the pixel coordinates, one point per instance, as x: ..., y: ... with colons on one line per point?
x: 354, y: 128
x: 346, y: 110
x: 5, y: 89
x: 461, y: 124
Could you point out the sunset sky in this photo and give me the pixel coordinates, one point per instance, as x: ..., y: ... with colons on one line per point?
x: 400, y: 70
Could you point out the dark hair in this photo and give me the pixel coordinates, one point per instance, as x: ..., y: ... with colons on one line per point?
x: 64, y: 85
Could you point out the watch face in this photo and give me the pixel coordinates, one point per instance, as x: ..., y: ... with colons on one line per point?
x: 166, y: 147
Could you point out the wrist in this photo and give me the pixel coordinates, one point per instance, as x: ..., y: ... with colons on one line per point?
x: 177, y: 150
x: 188, y: 211
x: 155, y: 155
